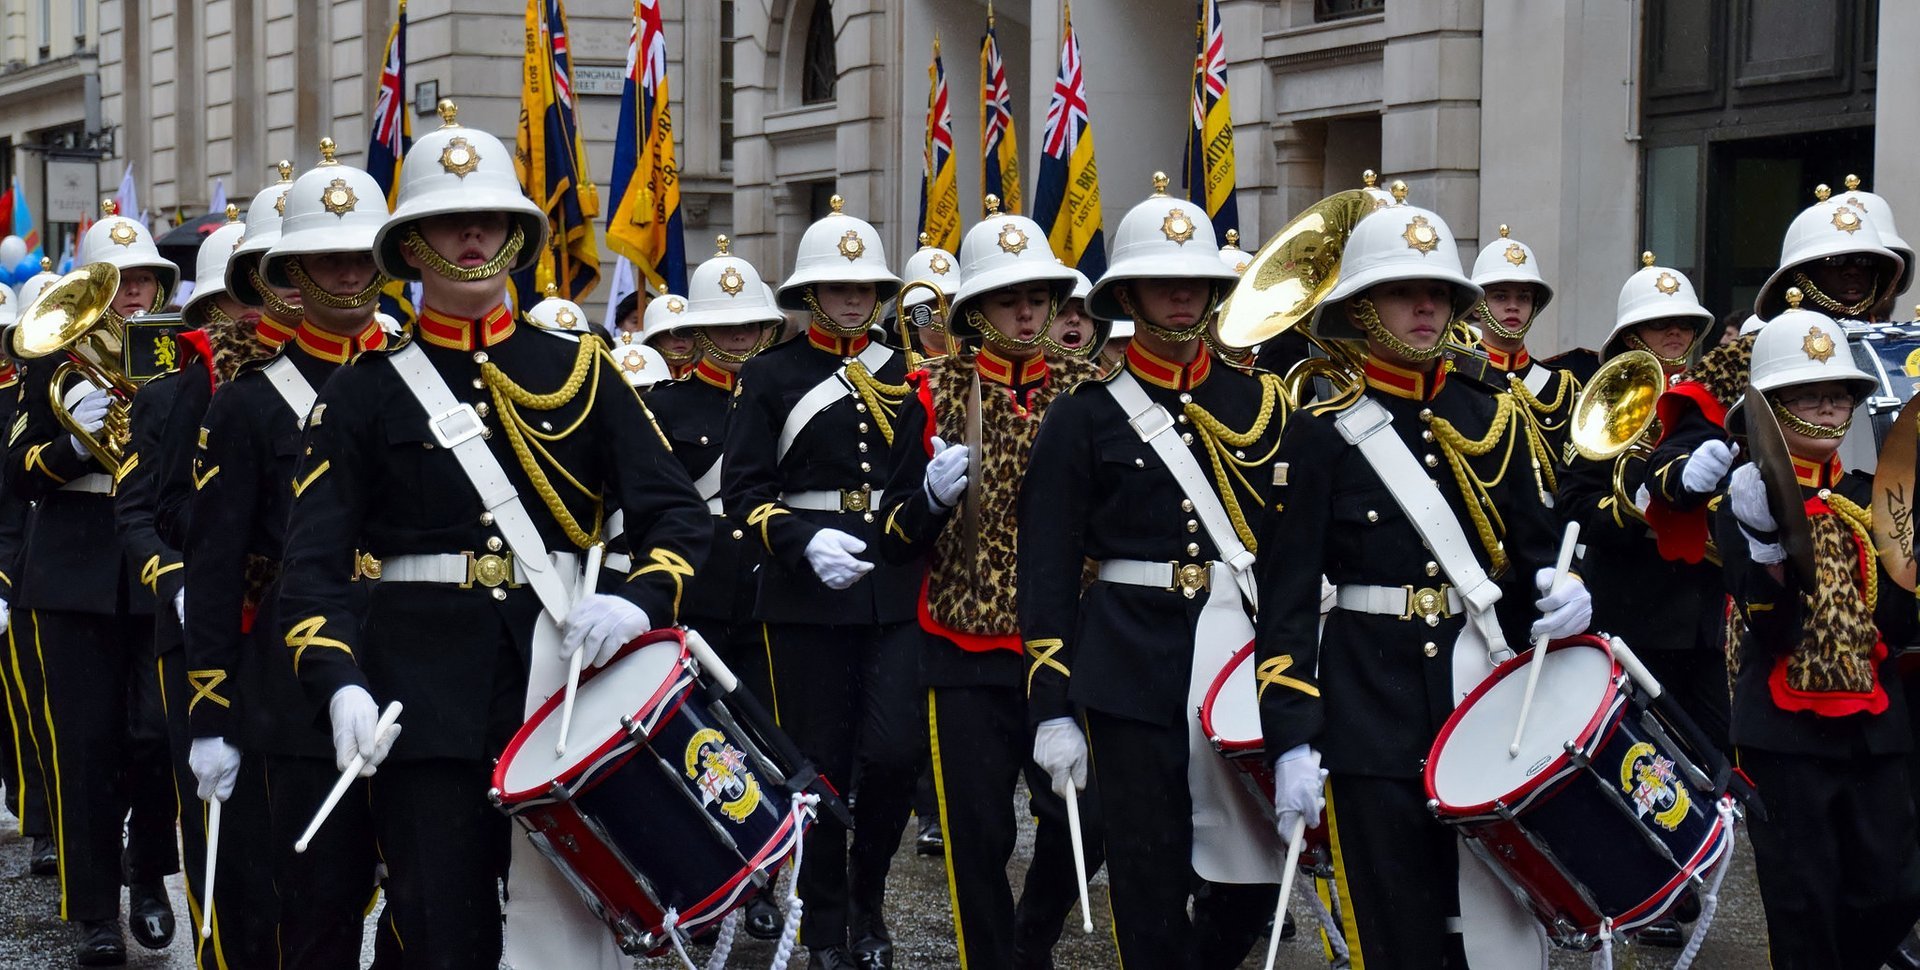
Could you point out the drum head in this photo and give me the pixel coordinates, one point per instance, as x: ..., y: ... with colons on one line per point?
x: 623, y: 688
x: 1471, y: 768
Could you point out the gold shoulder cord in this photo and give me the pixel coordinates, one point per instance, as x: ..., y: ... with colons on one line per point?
x: 1229, y: 467
x: 1458, y: 448
x: 882, y: 400
x: 509, y: 398
x: 1860, y: 520
x: 1534, y: 416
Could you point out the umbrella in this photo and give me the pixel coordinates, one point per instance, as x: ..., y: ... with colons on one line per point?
x: 181, y: 245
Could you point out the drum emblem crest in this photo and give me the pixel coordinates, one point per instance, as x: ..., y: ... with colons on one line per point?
x: 1654, y: 786
x: 721, y: 773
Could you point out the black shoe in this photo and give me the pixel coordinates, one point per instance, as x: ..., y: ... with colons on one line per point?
x: 1665, y: 933
x: 831, y: 958
x: 149, y: 915
x: 45, y: 859
x: 1287, y: 930
x: 763, y: 919
x: 930, y: 841
x: 100, y: 944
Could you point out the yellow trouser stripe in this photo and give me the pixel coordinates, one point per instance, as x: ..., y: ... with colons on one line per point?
x: 940, y: 798
x: 11, y: 687
x: 1356, y: 953
x: 188, y: 871
x: 773, y: 683
x: 54, y: 793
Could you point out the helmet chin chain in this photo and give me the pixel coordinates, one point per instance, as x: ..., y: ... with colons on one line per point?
x: 825, y: 321
x: 1361, y: 310
x: 992, y: 336
x: 1486, y: 316
x: 445, y: 268
x: 706, y: 347
x: 270, y: 301
x: 1670, y: 363
x: 1191, y: 333
x: 313, y: 293
x: 1805, y: 428
x: 1845, y: 311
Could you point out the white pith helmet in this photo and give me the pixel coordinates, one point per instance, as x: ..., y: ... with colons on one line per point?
x: 723, y: 291
x: 1805, y: 347
x: 838, y: 248
x: 558, y: 313
x: 332, y: 208
x: 263, y: 230
x: 933, y: 265
x: 454, y: 169
x: 126, y: 244
x: 210, y: 263
x: 1654, y: 293
x: 1399, y: 242
x: 1160, y: 238
x: 1828, y: 227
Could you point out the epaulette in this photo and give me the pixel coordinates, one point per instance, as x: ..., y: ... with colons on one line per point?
x: 394, y: 342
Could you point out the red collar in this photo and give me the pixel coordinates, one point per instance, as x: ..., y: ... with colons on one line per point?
x: 1813, y: 474
x: 1000, y: 370
x: 1160, y: 372
x: 714, y: 374
x: 1513, y: 363
x: 335, y: 348
x: 835, y: 344
x: 272, y: 332
x: 453, y: 333
x: 1400, y: 382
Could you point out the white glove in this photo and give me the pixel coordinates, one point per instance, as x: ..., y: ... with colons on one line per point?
x: 180, y: 605
x: 831, y: 554
x: 1748, y: 495
x: 1707, y: 466
x: 91, y: 414
x: 216, y: 764
x: 946, y: 477
x: 601, y: 624
x: 1565, y: 610
x: 1061, y: 750
x: 6, y: 616
x: 354, y: 717
x: 1299, y: 788
x: 1642, y: 498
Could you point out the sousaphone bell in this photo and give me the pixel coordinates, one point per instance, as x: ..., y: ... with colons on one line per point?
x: 74, y: 315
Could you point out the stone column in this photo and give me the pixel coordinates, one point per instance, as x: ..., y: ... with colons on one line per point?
x: 1896, y: 133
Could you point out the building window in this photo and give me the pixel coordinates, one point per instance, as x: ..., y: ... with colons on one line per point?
x: 820, y: 70
x: 819, y: 200
x: 46, y: 29
x: 726, y: 82
x: 1342, y: 9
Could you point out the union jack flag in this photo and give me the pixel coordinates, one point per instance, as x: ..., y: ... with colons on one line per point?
x: 392, y: 122
x: 1210, y: 162
x: 939, y: 187
x: 1066, y: 202
x: 999, y: 151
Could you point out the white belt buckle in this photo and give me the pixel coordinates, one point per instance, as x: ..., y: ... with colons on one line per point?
x: 456, y: 425
x: 1149, y: 424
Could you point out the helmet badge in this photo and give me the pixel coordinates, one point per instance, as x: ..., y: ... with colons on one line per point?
x: 1012, y: 239
x: 676, y: 305
x: 852, y: 246
x: 1421, y: 235
x: 939, y: 265
x: 339, y: 198
x: 122, y: 234
x: 1176, y: 226
x: 565, y: 318
x: 1846, y: 220
x: 731, y: 281
x: 459, y: 158
x: 280, y: 205
x: 1667, y: 283
x: 1516, y: 254
x: 1818, y: 345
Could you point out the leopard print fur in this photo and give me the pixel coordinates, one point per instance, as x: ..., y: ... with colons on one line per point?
x: 1836, y: 645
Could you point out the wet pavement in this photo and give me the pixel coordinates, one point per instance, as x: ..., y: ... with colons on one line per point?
x: 32, y: 936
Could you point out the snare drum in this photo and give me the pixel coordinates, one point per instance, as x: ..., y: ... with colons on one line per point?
x: 1600, y: 817
x: 661, y: 803
x: 1230, y: 718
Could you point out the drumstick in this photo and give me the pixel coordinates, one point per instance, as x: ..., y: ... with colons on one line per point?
x: 213, y: 851
x: 588, y: 580
x: 1079, y: 858
x: 1295, y: 840
x: 1540, y: 643
x: 382, y: 729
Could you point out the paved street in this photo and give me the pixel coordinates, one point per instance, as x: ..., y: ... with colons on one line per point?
x: 31, y: 935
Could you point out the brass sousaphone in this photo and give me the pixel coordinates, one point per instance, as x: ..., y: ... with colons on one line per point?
x: 74, y: 314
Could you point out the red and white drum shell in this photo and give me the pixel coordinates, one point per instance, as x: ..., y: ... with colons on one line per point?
x: 1596, y: 819
x: 659, y: 804
x: 1230, y: 718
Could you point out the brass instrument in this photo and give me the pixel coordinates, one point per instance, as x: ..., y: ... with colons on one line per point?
x: 1612, y: 420
x: 921, y: 315
x: 74, y: 314
x: 1288, y: 279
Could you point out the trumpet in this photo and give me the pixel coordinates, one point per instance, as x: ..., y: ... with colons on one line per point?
x: 920, y: 314
x: 1613, y: 420
x: 74, y: 315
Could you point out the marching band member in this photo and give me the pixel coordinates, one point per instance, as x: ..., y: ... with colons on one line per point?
x: 1881, y: 214
x: 458, y: 625
x: 26, y: 752
x: 972, y: 662
x: 929, y: 264
x: 556, y: 312
x: 1513, y: 294
x: 88, y: 612
x: 1074, y: 332
x: 1835, y: 256
x: 1424, y: 604
x: 279, y: 305
x: 1819, y: 716
x: 1124, y: 472
x: 256, y: 744
x: 805, y: 470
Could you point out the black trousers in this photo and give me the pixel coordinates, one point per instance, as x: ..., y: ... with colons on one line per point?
x: 324, y: 893
x: 849, y: 698
x: 1836, y: 857
x: 29, y: 738
x: 981, y: 746
x: 1398, y: 872
x: 1147, y: 814
x: 110, y: 764
x: 445, y: 848
x: 244, y: 899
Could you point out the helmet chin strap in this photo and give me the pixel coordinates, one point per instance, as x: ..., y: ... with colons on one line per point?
x: 1192, y: 333
x: 270, y: 300
x: 1805, y: 428
x: 1670, y: 363
x: 825, y: 321
x: 1486, y: 316
x: 706, y: 346
x: 1000, y: 341
x: 1849, y: 311
x: 312, y: 293
x: 445, y: 268
x: 1362, y: 311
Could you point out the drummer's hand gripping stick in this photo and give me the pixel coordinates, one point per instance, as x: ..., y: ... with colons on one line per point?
x: 1560, y: 568
x: 589, y: 580
x: 382, y: 729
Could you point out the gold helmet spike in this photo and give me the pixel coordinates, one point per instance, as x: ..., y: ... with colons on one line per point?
x: 448, y: 112
x: 108, y: 207
x: 1503, y: 230
x: 285, y: 168
x: 1369, y: 178
x: 553, y: 290
x: 233, y: 212
x: 1160, y: 182
x: 1852, y: 182
x: 722, y: 246
x: 835, y: 203
x: 46, y: 264
x: 1399, y: 190
x: 327, y: 148
x: 1821, y: 193
x: 926, y: 239
x: 1794, y: 296
x: 1233, y: 238
x: 1646, y: 258
x: 992, y: 203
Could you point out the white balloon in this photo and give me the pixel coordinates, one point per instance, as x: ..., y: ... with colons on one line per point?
x: 13, y: 250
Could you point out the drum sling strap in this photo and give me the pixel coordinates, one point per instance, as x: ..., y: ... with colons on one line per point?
x: 824, y: 394
x: 292, y: 387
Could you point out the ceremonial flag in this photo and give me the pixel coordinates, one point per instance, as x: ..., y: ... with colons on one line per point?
x: 127, y: 200
x: 623, y: 284
x: 645, y: 226
x: 551, y: 166
x: 1066, y: 202
x: 219, y: 204
x: 999, y: 152
x: 392, y: 125
x: 939, y: 185
x: 1210, y: 175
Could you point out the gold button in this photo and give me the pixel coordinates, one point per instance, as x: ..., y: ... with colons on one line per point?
x: 493, y: 543
x: 1186, y: 505
x: 1193, y: 526
x: 546, y: 426
x: 1139, y: 463
x: 1193, y: 548
x: 862, y: 408
x: 1433, y: 461
x: 863, y: 427
x: 486, y: 432
x: 737, y: 534
x: 1237, y: 453
x: 482, y: 409
x: 1433, y: 569
x: 499, y: 593
x: 426, y: 445
x: 1426, y: 414
x: 868, y: 516
x: 486, y: 518
x: 1429, y: 649
x: 1181, y: 418
x: 1373, y: 516
x: 479, y: 356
